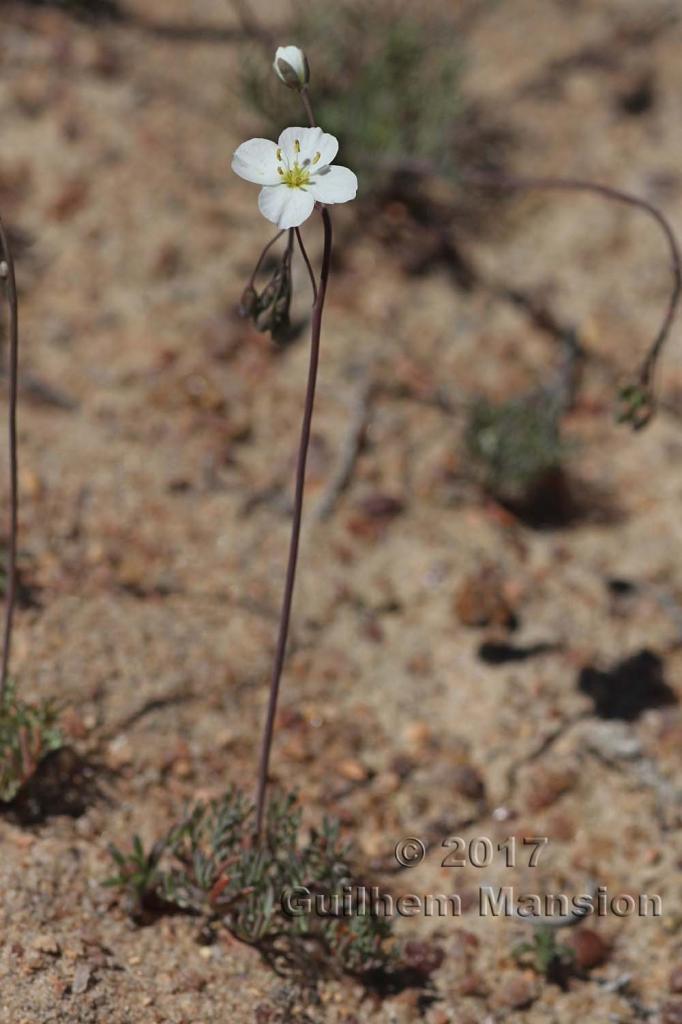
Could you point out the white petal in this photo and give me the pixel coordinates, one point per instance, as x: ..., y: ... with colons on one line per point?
x: 334, y: 185
x: 311, y: 142
x: 286, y: 207
x: 256, y: 160
x: 327, y: 146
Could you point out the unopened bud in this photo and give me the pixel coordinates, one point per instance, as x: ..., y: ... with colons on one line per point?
x: 291, y: 66
x: 248, y: 302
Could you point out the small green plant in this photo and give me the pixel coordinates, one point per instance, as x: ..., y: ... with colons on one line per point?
x: 387, y: 82
x: 545, y: 954
x: 515, y: 443
x: 211, y: 865
x: 138, y: 876
x: 28, y: 732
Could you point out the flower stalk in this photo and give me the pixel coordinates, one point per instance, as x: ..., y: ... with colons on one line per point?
x: 319, y: 294
x: 7, y: 271
x: 638, y: 397
x: 287, y: 599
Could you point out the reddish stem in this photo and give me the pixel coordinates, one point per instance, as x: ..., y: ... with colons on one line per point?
x: 13, y: 372
x: 285, y: 616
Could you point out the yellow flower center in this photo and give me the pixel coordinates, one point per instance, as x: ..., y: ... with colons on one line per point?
x: 296, y: 176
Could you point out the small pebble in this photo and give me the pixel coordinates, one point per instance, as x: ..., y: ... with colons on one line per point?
x: 352, y: 770
x: 589, y: 948
x: 468, y: 782
x: 418, y: 734
x: 46, y: 944
x: 81, y: 979
x: 516, y: 992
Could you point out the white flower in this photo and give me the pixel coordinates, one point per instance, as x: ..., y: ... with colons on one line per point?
x: 291, y: 65
x: 295, y: 174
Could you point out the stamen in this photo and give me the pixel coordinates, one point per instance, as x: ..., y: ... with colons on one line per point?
x: 280, y: 170
x: 297, y: 145
x: 317, y: 157
x: 279, y: 154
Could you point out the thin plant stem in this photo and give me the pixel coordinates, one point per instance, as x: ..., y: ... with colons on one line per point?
x: 307, y: 262
x: 285, y: 616
x: 262, y: 256
x: 305, y: 99
x: 13, y: 372
x: 501, y: 181
x: 504, y: 181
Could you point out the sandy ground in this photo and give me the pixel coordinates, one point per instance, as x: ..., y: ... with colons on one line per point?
x: 155, y: 514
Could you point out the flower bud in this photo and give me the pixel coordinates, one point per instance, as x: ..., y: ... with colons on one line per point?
x: 249, y: 301
x: 291, y: 66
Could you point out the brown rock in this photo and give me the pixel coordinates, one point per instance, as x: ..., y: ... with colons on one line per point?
x: 481, y: 601
x: 352, y: 770
x: 546, y: 787
x: 468, y: 782
x: 589, y: 948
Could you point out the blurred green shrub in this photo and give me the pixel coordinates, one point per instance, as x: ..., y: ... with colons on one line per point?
x: 517, y: 444
x: 385, y: 80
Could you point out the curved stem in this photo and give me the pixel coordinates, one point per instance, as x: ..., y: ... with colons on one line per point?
x: 11, y: 583
x: 307, y: 262
x: 504, y: 181
x: 262, y: 257
x: 287, y: 599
